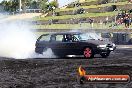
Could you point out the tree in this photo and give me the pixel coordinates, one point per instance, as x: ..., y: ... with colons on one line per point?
x: 10, y: 6
x: 34, y: 5
x: 54, y: 4
x: 13, y: 5
x: 25, y: 4
x: 5, y: 5
x: 43, y: 4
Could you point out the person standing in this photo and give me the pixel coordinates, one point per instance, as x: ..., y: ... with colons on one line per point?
x: 130, y: 21
x: 91, y: 22
x: 126, y: 21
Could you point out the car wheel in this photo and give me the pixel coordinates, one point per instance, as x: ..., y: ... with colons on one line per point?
x: 105, y: 55
x: 88, y: 52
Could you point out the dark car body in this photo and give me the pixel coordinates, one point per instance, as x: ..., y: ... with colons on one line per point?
x: 60, y: 45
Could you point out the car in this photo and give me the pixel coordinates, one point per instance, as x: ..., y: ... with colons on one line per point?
x: 74, y: 43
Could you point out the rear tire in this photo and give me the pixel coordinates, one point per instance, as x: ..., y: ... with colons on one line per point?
x: 88, y: 53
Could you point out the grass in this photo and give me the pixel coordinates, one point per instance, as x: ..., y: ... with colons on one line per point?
x: 83, y: 15
x: 86, y: 15
x: 93, y: 6
x: 79, y: 26
x: 90, y: 0
x: 76, y: 16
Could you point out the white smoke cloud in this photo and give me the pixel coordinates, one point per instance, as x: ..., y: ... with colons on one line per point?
x: 16, y: 40
x: 47, y: 54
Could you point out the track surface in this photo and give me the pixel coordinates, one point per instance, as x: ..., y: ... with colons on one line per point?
x: 61, y: 73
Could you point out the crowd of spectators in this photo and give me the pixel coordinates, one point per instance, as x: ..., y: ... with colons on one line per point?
x: 125, y: 18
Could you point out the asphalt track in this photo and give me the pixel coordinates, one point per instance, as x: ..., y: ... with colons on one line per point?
x: 62, y: 73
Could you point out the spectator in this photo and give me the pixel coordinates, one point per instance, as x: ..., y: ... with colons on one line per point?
x: 124, y: 17
x: 130, y: 21
x: 90, y: 21
x: 126, y: 21
x: 122, y: 14
x: 119, y: 21
x: 122, y: 20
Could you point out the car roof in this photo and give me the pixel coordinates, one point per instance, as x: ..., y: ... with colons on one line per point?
x: 62, y: 33
x: 59, y: 33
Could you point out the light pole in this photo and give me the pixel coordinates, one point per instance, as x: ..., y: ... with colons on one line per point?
x: 20, y: 5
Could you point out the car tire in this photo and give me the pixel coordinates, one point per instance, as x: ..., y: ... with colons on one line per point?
x: 105, y: 55
x: 88, y: 52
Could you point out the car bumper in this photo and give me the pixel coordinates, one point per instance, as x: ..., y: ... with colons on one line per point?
x: 105, y: 49
x: 108, y: 48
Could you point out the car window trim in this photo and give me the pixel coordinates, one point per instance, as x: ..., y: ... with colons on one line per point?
x: 42, y: 36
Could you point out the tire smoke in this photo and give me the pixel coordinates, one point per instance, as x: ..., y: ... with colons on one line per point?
x: 47, y: 54
x: 18, y: 41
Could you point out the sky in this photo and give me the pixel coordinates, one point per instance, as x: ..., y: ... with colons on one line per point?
x: 64, y: 2
x: 61, y: 2
x: 1, y: 0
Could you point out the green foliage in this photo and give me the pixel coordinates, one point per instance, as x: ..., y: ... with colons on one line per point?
x: 10, y: 6
x: 34, y: 5
x: 86, y: 15
x: 54, y: 4
x: 46, y: 6
x: 13, y: 5
x: 94, y: 6
x: 43, y: 5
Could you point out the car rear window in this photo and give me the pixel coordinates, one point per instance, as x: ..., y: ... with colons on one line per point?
x: 45, y: 38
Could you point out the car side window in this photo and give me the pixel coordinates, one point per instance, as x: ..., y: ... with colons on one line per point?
x: 76, y: 37
x: 57, y: 38
x: 67, y: 38
x: 44, y: 38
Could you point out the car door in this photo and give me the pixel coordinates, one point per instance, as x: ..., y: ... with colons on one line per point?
x: 42, y: 43
x: 56, y: 44
x: 62, y: 47
x: 71, y: 47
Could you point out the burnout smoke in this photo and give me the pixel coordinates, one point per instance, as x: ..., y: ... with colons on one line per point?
x: 47, y: 54
x: 16, y: 40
